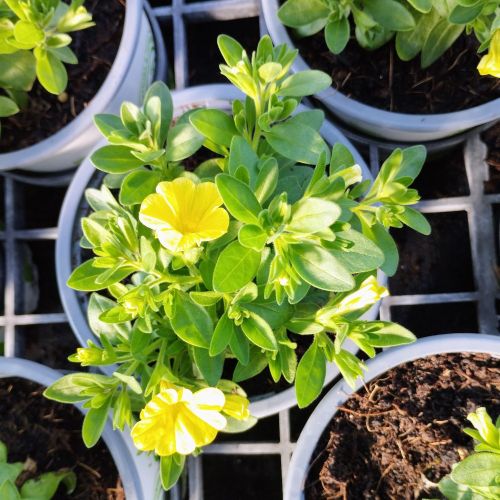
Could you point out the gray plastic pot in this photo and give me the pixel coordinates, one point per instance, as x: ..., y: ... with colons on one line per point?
x: 138, y: 473
x: 399, y: 127
x: 128, y: 79
x: 67, y: 245
x: 338, y: 395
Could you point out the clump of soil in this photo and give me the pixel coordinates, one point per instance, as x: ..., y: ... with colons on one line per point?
x: 379, y: 78
x: 404, y: 430
x: 49, y: 433
x: 492, y: 139
x: 96, y: 50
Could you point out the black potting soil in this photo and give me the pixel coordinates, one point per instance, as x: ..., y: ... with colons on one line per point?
x: 95, y: 49
x: 404, y: 431
x: 50, y: 434
x: 379, y: 78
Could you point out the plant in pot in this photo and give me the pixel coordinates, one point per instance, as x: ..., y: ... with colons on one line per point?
x: 401, y: 435
x: 263, y: 257
x: 423, y: 86
x: 42, y: 453
x: 59, y: 66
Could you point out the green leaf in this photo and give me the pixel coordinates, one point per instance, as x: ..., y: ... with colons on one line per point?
x: 341, y: 158
x: 391, y: 14
x: 46, y: 485
x: 337, y: 34
x: 236, y: 266
x: 191, y: 322
x: 241, y: 154
x: 85, y: 277
x: 171, y: 468
x: 304, y: 83
x: 440, y: 39
x: 259, y: 332
x: 159, y: 109
x: 137, y: 185
x: 8, y: 491
x: 378, y: 234
x: 238, y: 199
x: 310, y: 215
x: 18, y: 70
x: 387, y: 334
x: 240, y: 346
x: 68, y: 389
x: 206, y: 299
x: 421, y: 5
x: 363, y: 255
x: 465, y: 15
x: 182, y: 142
x: 230, y: 49
x: 223, y: 333
x: 215, y: 125
x: 98, y: 304
x: 454, y: 491
x: 28, y: 34
x: 296, y: 141
x: 115, y: 159
x: 107, y: 123
x: 267, y: 180
x: 296, y: 13
x: 257, y: 363
x: 320, y: 268
x: 51, y: 73
x: 94, y: 423
x: 310, y: 375
x: 478, y: 469
x: 252, y: 236
x: 209, y: 366
x: 130, y: 381
x: 7, y: 107
x: 414, y: 219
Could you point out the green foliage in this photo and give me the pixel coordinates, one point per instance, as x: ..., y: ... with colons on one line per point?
x: 145, y: 145
x: 41, y: 487
x: 477, y: 476
x: 418, y: 26
x: 305, y: 238
x: 35, y: 44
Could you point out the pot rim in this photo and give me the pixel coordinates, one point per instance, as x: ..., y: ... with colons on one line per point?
x: 200, y: 96
x: 375, y: 117
x: 128, y: 469
x: 131, y: 28
x: 381, y: 363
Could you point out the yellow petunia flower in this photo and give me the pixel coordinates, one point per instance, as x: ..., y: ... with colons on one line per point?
x: 184, y: 214
x: 490, y: 63
x: 177, y: 420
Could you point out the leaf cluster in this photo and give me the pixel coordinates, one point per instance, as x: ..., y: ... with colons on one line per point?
x: 35, y: 45
x: 477, y: 477
x: 42, y: 487
x: 422, y: 27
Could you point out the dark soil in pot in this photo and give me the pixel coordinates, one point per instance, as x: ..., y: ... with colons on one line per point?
x: 50, y: 434
x: 96, y: 50
x: 404, y: 429
x: 380, y: 79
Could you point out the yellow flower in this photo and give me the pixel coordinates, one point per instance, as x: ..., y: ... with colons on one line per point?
x: 236, y: 406
x: 490, y: 63
x: 184, y: 214
x: 177, y: 420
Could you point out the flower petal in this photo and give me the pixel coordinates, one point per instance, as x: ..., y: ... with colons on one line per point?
x: 156, y: 213
x: 209, y: 398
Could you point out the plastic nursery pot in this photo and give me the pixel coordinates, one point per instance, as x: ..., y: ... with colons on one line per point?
x: 68, y: 252
x: 139, y: 473
x: 127, y: 80
x: 400, y: 127
x: 338, y: 395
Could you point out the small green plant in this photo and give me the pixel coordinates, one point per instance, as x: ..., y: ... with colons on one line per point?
x: 477, y: 477
x: 15, y: 486
x: 34, y: 44
x: 221, y: 270
x: 422, y: 27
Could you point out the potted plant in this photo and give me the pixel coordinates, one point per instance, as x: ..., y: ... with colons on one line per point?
x: 69, y: 254
x: 416, y: 89
x: 402, y: 432
x: 64, y: 77
x: 264, y: 257
x: 44, y: 449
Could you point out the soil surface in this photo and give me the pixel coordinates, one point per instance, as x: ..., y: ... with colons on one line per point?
x: 95, y: 49
x: 379, y: 78
x: 49, y: 433
x: 404, y: 429
x: 492, y: 139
